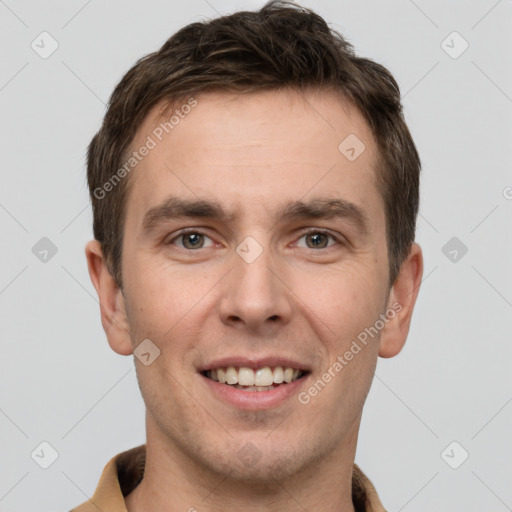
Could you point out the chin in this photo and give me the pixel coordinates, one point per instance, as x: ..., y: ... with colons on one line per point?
x: 267, y: 470
x: 261, y: 462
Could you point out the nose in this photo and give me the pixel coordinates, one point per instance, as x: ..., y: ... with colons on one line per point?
x: 255, y: 295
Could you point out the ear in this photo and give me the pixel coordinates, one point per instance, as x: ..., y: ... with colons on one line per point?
x: 113, y: 312
x: 402, y: 298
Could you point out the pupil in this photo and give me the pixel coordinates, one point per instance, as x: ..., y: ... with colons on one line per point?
x: 316, y: 239
x: 192, y: 239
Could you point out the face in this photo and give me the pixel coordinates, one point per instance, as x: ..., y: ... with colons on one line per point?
x: 251, y: 241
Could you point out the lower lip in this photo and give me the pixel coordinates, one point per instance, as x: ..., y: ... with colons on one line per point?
x: 255, y: 400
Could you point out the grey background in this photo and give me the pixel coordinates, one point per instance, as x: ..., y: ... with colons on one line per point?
x: 61, y: 383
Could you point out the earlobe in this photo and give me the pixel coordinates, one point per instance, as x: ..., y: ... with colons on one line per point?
x: 402, y: 299
x: 112, y: 307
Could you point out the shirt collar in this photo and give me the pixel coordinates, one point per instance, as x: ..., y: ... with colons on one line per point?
x: 125, y: 471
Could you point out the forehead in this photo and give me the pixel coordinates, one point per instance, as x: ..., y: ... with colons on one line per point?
x: 256, y: 149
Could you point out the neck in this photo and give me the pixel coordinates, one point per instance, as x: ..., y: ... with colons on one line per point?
x: 175, y: 482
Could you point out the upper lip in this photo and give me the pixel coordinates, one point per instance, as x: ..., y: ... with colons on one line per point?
x: 254, y: 363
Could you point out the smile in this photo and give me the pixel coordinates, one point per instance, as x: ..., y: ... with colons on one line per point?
x: 265, y: 378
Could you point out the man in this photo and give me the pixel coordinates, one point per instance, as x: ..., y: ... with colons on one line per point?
x: 255, y: 192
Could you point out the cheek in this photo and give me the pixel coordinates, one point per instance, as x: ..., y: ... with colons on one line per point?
x: 160, y: 291
x: 341, y: 300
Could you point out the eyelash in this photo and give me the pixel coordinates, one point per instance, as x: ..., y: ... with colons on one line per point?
x: 310, y: 231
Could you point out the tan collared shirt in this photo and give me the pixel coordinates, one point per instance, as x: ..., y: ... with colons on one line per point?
x: 125, y: 471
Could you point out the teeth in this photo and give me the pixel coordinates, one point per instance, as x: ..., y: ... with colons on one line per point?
x: 263, y: 377
x: 246, y: 376
x: 254, y: 388
x: 248, y: 379
x: 231, y: 375
x: 278, y: 375
x: 288, y: 374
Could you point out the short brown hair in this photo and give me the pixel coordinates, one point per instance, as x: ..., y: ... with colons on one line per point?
x: 282, y: 45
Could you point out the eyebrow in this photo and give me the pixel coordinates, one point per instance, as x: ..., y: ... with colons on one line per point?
x: 318, y: 208
x: 327, y: 209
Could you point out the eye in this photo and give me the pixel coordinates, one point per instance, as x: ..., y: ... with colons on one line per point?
x: 192, y: 239
x: 319, y: 239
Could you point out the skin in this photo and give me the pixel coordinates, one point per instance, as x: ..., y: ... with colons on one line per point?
x: 251, y: 154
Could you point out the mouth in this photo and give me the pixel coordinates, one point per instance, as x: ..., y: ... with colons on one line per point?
x: 265, y: 378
